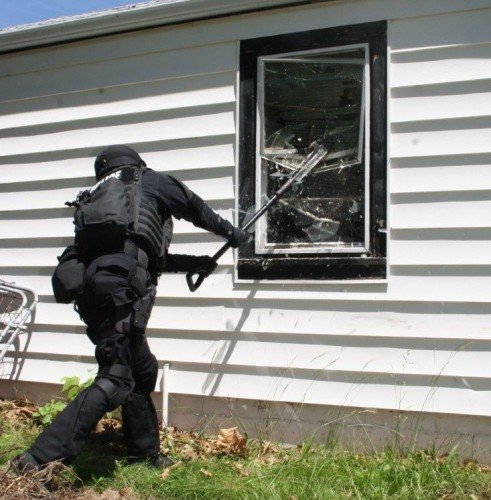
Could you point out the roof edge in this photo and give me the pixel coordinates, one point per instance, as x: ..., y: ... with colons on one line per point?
x: 131, y: 17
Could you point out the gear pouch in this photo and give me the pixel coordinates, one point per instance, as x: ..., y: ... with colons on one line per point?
x: 102, y: 218
x: 68, y: 278
x: 142, y: 309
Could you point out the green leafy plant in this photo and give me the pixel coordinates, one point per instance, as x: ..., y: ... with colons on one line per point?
x: 47, y: 413
x: 72, y: 386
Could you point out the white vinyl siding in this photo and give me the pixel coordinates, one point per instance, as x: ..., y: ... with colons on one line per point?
x: 421, y: 341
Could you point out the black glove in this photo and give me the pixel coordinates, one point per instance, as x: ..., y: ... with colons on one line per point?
x: 199, y: 264
x: 239, y: 236
x: 204, y: 265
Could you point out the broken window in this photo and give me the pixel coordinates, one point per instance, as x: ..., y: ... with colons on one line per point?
x: 326, y: 86
x: 303, y: 98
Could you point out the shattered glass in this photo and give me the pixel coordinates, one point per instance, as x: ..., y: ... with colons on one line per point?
x: 304, y: 99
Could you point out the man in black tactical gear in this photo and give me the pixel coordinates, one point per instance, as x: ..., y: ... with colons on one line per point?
x: 115, y: 297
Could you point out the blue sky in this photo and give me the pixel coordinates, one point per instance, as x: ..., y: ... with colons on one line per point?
x: 14, y: 12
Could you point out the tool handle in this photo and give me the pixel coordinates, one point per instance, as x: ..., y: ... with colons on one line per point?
x: 194, y: 285
x: 312, y: 159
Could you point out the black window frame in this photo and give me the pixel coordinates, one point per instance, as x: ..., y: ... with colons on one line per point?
x: 328, y: 266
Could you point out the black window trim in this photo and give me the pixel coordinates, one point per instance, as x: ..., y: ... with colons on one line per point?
x: 317, y: 266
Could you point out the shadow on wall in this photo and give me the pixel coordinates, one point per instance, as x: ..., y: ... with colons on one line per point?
x: 17, y: 317
x: 223, y: 354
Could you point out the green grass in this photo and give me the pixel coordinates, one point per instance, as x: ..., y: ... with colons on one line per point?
x: 322, y: 474
x: 298, y: 473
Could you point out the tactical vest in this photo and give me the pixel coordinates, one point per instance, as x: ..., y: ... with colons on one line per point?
x: 114, y: 210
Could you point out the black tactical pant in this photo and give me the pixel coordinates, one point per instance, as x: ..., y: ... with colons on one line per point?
x: 127, y: 369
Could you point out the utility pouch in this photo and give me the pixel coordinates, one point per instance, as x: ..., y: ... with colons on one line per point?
x: 68, y: 278
x: 142, y: 309
x: 102, y: 218
x: 168, y: 232
x: 137, y: 279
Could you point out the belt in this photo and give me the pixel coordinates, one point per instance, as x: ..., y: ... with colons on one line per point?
x: 131, y: 248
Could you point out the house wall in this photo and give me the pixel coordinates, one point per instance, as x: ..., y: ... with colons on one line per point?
x: 420, y: 342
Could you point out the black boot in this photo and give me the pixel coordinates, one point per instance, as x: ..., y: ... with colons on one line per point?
x: 25, y: 462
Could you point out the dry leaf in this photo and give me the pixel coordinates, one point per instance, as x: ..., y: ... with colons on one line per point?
x: 229, y: 442
x: 267, y: 447
x: 241, y: 469
x: 206, y: 447
x: 99, y: 427
x: 191, y: 455
x: 174, y: 466
x: 271, y: 460
x: 166, y: 472
x: 206, y: 473
x: 18, y: 410
x: 268, y: 460
x: 127, y: 491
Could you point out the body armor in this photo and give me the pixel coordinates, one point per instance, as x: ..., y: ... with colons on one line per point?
x: 114, y: 210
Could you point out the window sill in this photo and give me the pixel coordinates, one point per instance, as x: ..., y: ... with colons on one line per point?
x: 312, y: 269
x: 371, y: 282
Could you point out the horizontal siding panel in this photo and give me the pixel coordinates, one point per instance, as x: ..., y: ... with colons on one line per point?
x: 418, y: 286
x: 174, y: 158
x: 375, y: 393
x: 450, y: 214
x: 440, y: 179
x: 188, y: 237
x: 441, y: 141
x: 46, y: 257
x: 440, y: 65
x: 114, y: 71
x: 287, y: 20
x: 69, y: 168
x: 53, y: 370
x: 210, y: 189
x: 454, y: 28
x: 445, y: 106
x: 116, y: 101
x: 440, y: 252
x: 357, y: 359
x: 403, y: 252
x: 36, y: 200
x: 200, y: 125
x: 468, y: 287
x: 35, y: 228
x: 441, y: 214
x: 18, y: 257
x: 196, y: 318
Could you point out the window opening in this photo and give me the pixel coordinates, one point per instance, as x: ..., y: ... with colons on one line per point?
x: 304, y: 97
x: 295, y: 88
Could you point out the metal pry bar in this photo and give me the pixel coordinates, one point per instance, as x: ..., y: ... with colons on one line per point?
x: 317, y: 151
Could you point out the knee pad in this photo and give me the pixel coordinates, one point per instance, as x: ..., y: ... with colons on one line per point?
x: 116, y: 388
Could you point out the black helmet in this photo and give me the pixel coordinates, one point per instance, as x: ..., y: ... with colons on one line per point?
x: 116, y: 156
